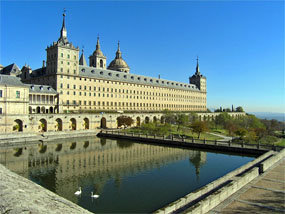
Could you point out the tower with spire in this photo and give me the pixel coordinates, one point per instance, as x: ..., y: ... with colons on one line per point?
x: 97, y: 59
x: 198, y: 79
x: 62, y: 56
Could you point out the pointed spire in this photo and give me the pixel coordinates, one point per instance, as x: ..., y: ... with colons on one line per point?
x: 98, y: 44
x: 118, y: 53
x: 63, y: 23
x: 118, y: 45
x: 197, y: 66
x: 82, y: 60
x: 63, y: 32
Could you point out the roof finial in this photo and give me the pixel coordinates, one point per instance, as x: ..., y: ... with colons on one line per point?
x: 118, y: 45
x: 82, y: 48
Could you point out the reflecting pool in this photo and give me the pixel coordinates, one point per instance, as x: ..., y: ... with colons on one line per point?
x: 129, y: 177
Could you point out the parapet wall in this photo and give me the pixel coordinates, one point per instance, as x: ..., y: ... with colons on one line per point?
x: 209, y: 196
x: 20, y: 195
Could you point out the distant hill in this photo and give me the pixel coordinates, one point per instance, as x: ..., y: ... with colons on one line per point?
x: 269, y: 115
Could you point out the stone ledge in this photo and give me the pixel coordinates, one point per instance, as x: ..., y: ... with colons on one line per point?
x: 238, y: 178
x: 20, y: 195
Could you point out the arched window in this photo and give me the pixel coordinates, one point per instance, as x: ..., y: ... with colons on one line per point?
x: 101, y: 63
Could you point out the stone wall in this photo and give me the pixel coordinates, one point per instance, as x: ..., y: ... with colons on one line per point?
x: 224, y: 186
x: 37, y: 123
x: 19, y: 195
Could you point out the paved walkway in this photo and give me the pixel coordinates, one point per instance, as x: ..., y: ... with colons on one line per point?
x: 225, y: 138
x: 265, y: 194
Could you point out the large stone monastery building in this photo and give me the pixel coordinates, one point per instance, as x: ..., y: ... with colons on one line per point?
x: 96, y: 86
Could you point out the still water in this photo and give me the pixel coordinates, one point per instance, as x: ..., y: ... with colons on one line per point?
x: 129, y: 177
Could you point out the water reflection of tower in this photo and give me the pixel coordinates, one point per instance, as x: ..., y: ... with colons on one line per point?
x: 198, y: 160
x: 67, y: 165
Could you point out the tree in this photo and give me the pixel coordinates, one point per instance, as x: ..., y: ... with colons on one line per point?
x: 241, y: 132
x: 239, y: 109
x: 169, y: 117
x: 228, y: 110
x: 182, y: 120
x: 254, y: 122
x: 193, y: 117
x: 124, y: 120
x: 250, y: 137
x: 231, y: 127
x: 199, y: 127
x: 260, y: 133
x: 164, y: 129
x: 222, y: 118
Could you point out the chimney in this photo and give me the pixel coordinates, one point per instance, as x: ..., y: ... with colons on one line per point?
x: 44, y: 63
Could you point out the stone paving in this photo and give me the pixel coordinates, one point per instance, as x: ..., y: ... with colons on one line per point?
x: 265, y: 194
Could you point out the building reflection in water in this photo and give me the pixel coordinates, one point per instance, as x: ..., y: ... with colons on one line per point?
x: 64, y: 166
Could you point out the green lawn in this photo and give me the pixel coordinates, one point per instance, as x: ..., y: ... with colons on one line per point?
x: 173, y: 130
x: 281, y: 142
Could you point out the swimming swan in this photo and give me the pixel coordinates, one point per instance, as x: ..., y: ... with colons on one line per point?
x: 94, y: 196
x: 78, y: 192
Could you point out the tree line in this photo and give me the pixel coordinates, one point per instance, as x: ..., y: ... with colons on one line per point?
x: 247, y: 128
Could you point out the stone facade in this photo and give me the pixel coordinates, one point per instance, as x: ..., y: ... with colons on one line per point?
x: 37, y: 123
x: 14, y: 96
x: 95, y: 88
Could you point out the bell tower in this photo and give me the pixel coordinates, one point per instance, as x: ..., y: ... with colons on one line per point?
x: 97, y: 59
x: 198, y: 79
x: 62, y: 56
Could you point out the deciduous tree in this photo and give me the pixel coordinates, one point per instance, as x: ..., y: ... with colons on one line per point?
x: 124, y: 120
x: 199, y: 127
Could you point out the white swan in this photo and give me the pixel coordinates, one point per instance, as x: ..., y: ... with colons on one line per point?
x: 78, y: 192
x: 94, y: 196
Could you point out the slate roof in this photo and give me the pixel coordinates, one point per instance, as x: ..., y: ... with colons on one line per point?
x: 38, y: 72
x: 42, y: 89
x: 82, y: 60
x: 85, y: 71
x: 13, y: 68
x: 11, y: 81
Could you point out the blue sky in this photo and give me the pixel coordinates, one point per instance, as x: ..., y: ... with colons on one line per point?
x: 240, y: 43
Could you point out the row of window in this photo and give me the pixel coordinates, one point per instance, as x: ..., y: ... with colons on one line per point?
x: 194, y: 99
x: 68, y: 86
x: 124, y: 83
x: 126, y: 91
x: 18, y: 94
x: 126, y: 104
x: 53, y: 56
